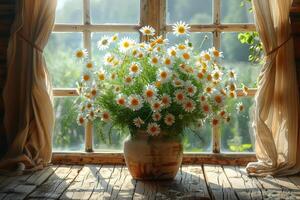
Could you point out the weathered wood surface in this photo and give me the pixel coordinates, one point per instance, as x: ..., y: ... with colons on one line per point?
x: 114, y: 182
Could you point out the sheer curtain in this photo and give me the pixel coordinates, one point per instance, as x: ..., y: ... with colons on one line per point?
x: 29, y: 116
x: 276, y: 112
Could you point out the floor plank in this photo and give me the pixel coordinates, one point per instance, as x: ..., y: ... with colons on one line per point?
x: 114, y: 182
x: 218, y: 184
x: 84, y: 184
x: 243, y: 186
x: 57, y: 183
x: 21, y: 186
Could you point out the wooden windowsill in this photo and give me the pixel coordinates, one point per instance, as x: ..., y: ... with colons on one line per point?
x: 118, y: 158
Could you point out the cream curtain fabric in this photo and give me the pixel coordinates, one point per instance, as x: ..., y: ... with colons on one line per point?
x: 29, y: 115
x: 276, y: 112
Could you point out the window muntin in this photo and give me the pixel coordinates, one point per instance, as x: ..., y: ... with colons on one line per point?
x: 208, y: 138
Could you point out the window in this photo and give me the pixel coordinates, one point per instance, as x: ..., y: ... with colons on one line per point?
x: 80, y: 23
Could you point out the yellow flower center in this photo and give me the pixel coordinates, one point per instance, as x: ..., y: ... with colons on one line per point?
x: 135, y: 102
x: 79, y: 54
x: 134, y: 68
x: 101, y: 77
x: 167, y: 61
x: 154, y: 60
x: 147, y: 31
x: 181, y: 29
x: 89, y: 65
x: 186, y: 56
x: 218, y: 99
x: 163, y: 74
x: 182, y: 47
x: 86, y: 77
x: 126, y: 44
x: 149, y: 93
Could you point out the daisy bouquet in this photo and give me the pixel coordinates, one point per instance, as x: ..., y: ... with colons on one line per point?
x: 155, y: 86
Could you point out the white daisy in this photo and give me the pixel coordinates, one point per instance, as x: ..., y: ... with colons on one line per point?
x: 103, y: 43
x: 167, y: 61
x: 230, y: 85
x: 166, y: 100
x: 105, y: 116
x: 189, y: 105
x: 178, y: 82
x: 135, y: 102
x: 153, y: 129
x: 215, y: 52
x: 80, y: 120
x: 147, y: 30
x: 128, y: 80
x: 156, y: 116
x: 181, y: 28
x: 215, y: 121
x: 172, y: 52
x: 81, y: 54
x: 121, y: 99
x: 126, y: 44
x: 190, y: 88
x: 101, y: 74
x: 217, y: 97
x: 138, y: 122
x: 205, y: 56
x: 205, y: 107
x: 135, y: 69
x: 114, y: 38
x: 90, y: 64
x: 154, y: 60
x: 169, y: 119
x: 150, y: 92
x: 164, y: 75
x: 156, y: 105
x: 109, y: 59
x: 232, y: 74
x: 217, y: 75
x: 91, y: 115
x: 179, y: 96
x: 86, y: 76
x: 199, y: 75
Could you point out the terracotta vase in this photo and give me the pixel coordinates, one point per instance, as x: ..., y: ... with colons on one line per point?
x: 153, y: 158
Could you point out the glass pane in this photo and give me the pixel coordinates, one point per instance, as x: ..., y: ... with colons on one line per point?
x: 115, y: 11
x: 198, y: 139
x: 236, y: 57
x: 97, y: 54
x: 69, y: 11
x: 189, y: 11
x: 67, y: 136
x: 233, y: 12
x: 237, y: 135
x: 105, y: 142
x: 206, y: 39
x: 60, y: 61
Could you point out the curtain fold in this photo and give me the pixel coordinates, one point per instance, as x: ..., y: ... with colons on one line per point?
x: 29, y: 116
x: 277, y: 100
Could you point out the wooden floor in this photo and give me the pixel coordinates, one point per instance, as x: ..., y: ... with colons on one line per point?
x: 115, y: 182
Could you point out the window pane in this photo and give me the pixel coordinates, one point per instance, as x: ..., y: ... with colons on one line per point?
x: 189, y: 11
x: 236, y: 57
x: 206, y: 39
x: 233, y: 12
x: 97, y: 54
x: 237, y: 136
x: 115, y: 11
x: 198, y: 139
x: 60, y: 61
x: 105, y: 142
x: 69, y: 11
x: 67, y: 136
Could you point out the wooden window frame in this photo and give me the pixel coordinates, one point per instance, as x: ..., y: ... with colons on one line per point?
x: 153, y: 13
